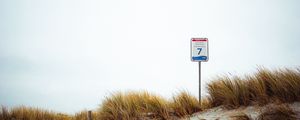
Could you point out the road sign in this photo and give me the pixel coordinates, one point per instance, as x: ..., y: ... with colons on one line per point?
x: 199, y: 49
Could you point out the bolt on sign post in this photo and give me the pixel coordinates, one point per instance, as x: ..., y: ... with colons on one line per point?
x: 199, y: 53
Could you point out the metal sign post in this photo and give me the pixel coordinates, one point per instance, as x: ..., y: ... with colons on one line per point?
x: 199, y: 81
x: 199, y: 53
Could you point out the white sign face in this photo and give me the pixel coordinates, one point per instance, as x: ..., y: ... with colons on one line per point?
x: 199, y: 49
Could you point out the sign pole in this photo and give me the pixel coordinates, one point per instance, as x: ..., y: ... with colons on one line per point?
x: 199, y: 82
x: 199, y: 53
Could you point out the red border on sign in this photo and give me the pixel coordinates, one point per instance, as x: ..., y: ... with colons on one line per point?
x: 199, y: 39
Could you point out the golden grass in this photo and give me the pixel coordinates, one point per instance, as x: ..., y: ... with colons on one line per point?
x: 137, y: 105
x: 29, y: 113
x: 184, y: 104
x: 263, y: 87
x: 206, y: 103
x: 133, y: 105
x: 231, y: 92
x: 277, y: 112
x: 82, y: 115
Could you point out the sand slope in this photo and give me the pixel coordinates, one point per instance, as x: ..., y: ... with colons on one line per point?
x: 220, y: 113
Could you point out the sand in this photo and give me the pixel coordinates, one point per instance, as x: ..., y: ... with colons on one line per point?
x: 220, y: 113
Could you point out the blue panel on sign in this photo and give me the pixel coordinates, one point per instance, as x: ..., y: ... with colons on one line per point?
x: 199, y: 58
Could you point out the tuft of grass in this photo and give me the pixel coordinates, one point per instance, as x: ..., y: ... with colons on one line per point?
x: 29, y: 113
x: 261, y: 88
x: 206, y: 103
x: 184, y: 104
x: 133, y: 105
x: 140, y: 105
x: 282, y: 84
x: 4, y: 113
x: 277, y: 112
x: 231, y: 92
x: 257, y: 90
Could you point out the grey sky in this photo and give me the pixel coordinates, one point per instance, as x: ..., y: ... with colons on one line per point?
x: 67, y: 55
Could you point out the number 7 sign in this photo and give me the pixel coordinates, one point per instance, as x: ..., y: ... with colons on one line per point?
x: 199, y: 49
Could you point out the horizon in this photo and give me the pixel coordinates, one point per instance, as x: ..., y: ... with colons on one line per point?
x: 68, y: 55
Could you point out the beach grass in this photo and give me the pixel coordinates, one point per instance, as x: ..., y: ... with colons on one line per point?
x: 260, y: 88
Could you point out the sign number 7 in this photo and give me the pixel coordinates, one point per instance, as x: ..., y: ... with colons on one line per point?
x: 200, y: 49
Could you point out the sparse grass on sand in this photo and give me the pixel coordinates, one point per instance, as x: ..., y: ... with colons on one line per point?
x: 29, y: 113
x: 261, y: 88
x: 277, y: 112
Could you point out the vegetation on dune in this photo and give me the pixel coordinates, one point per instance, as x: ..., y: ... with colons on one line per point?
x: 82, y: 115
x: 240, y: 116
x: 261, y: 88
x: 184, y: 104
x: 133, y: 105
x: 277, y: 112
x: 28, y: 113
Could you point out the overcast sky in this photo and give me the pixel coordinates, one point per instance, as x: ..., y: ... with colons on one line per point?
x: 67, y: 55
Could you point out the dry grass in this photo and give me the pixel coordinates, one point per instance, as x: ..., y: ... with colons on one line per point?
x: 277, y: 112
x: 133, y: 105
x: 184, y: 104
x: 28, y: 113
x: 206, y: 103
x: 82, y: 115
x: 263, y: 87
x: 231, y: 92
x: 240, y: 116
x: 138, y: 105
